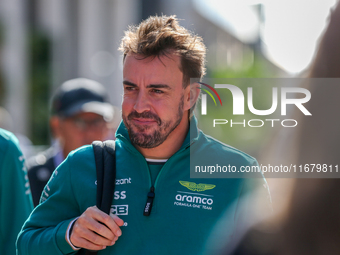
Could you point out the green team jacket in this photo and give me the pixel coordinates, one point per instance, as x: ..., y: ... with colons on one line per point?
x: 15, y: 196
x: 183, y: 212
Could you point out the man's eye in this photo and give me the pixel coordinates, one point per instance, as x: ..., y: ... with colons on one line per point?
x: 129, y: 88
x: 157, y: 91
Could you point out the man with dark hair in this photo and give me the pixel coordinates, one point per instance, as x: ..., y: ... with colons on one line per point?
x: 157, y: 208
x: 159, y: 36
x: 80, y: 114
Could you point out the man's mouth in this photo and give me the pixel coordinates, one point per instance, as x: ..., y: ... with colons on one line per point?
x: 143, y: 121
x: 144, y: 118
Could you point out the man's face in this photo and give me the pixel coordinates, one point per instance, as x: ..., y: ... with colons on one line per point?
x: 154, y: 99
x: 78, y: 130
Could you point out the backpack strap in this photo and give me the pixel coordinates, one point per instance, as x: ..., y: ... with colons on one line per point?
x: 104, y: 154
x: 107, y: 178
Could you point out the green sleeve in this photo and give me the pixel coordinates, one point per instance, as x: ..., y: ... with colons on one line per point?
x: 15, y: 197
x: 45, y: 230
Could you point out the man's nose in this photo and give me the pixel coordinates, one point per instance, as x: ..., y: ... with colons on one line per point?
x: 142, y: 103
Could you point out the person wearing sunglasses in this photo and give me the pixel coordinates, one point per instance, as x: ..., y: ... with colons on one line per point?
x: 80, y: 114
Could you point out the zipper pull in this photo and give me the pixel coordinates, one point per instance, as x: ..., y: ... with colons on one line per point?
x: 149, y: 201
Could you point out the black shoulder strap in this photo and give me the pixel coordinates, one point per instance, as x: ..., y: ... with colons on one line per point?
x: 104, y: 154
x: 106, y: 176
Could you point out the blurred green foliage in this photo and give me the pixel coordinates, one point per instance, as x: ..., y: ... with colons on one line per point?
x: 259, y: 69
x: 39, y: 83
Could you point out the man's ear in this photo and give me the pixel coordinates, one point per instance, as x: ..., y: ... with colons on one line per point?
x: 192, y: 94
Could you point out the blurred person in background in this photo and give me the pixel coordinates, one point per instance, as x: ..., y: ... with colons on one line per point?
x: 310, y: 224
x: 80, y: 114
x: 15, y: 195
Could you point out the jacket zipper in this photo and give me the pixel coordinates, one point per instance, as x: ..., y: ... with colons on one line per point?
x: 151, y: 193
x: 149, y: 202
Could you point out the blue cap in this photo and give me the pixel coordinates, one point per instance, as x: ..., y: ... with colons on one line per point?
x: 81, y: 95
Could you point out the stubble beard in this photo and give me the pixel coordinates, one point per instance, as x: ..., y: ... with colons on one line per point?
x: 155, y: 139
